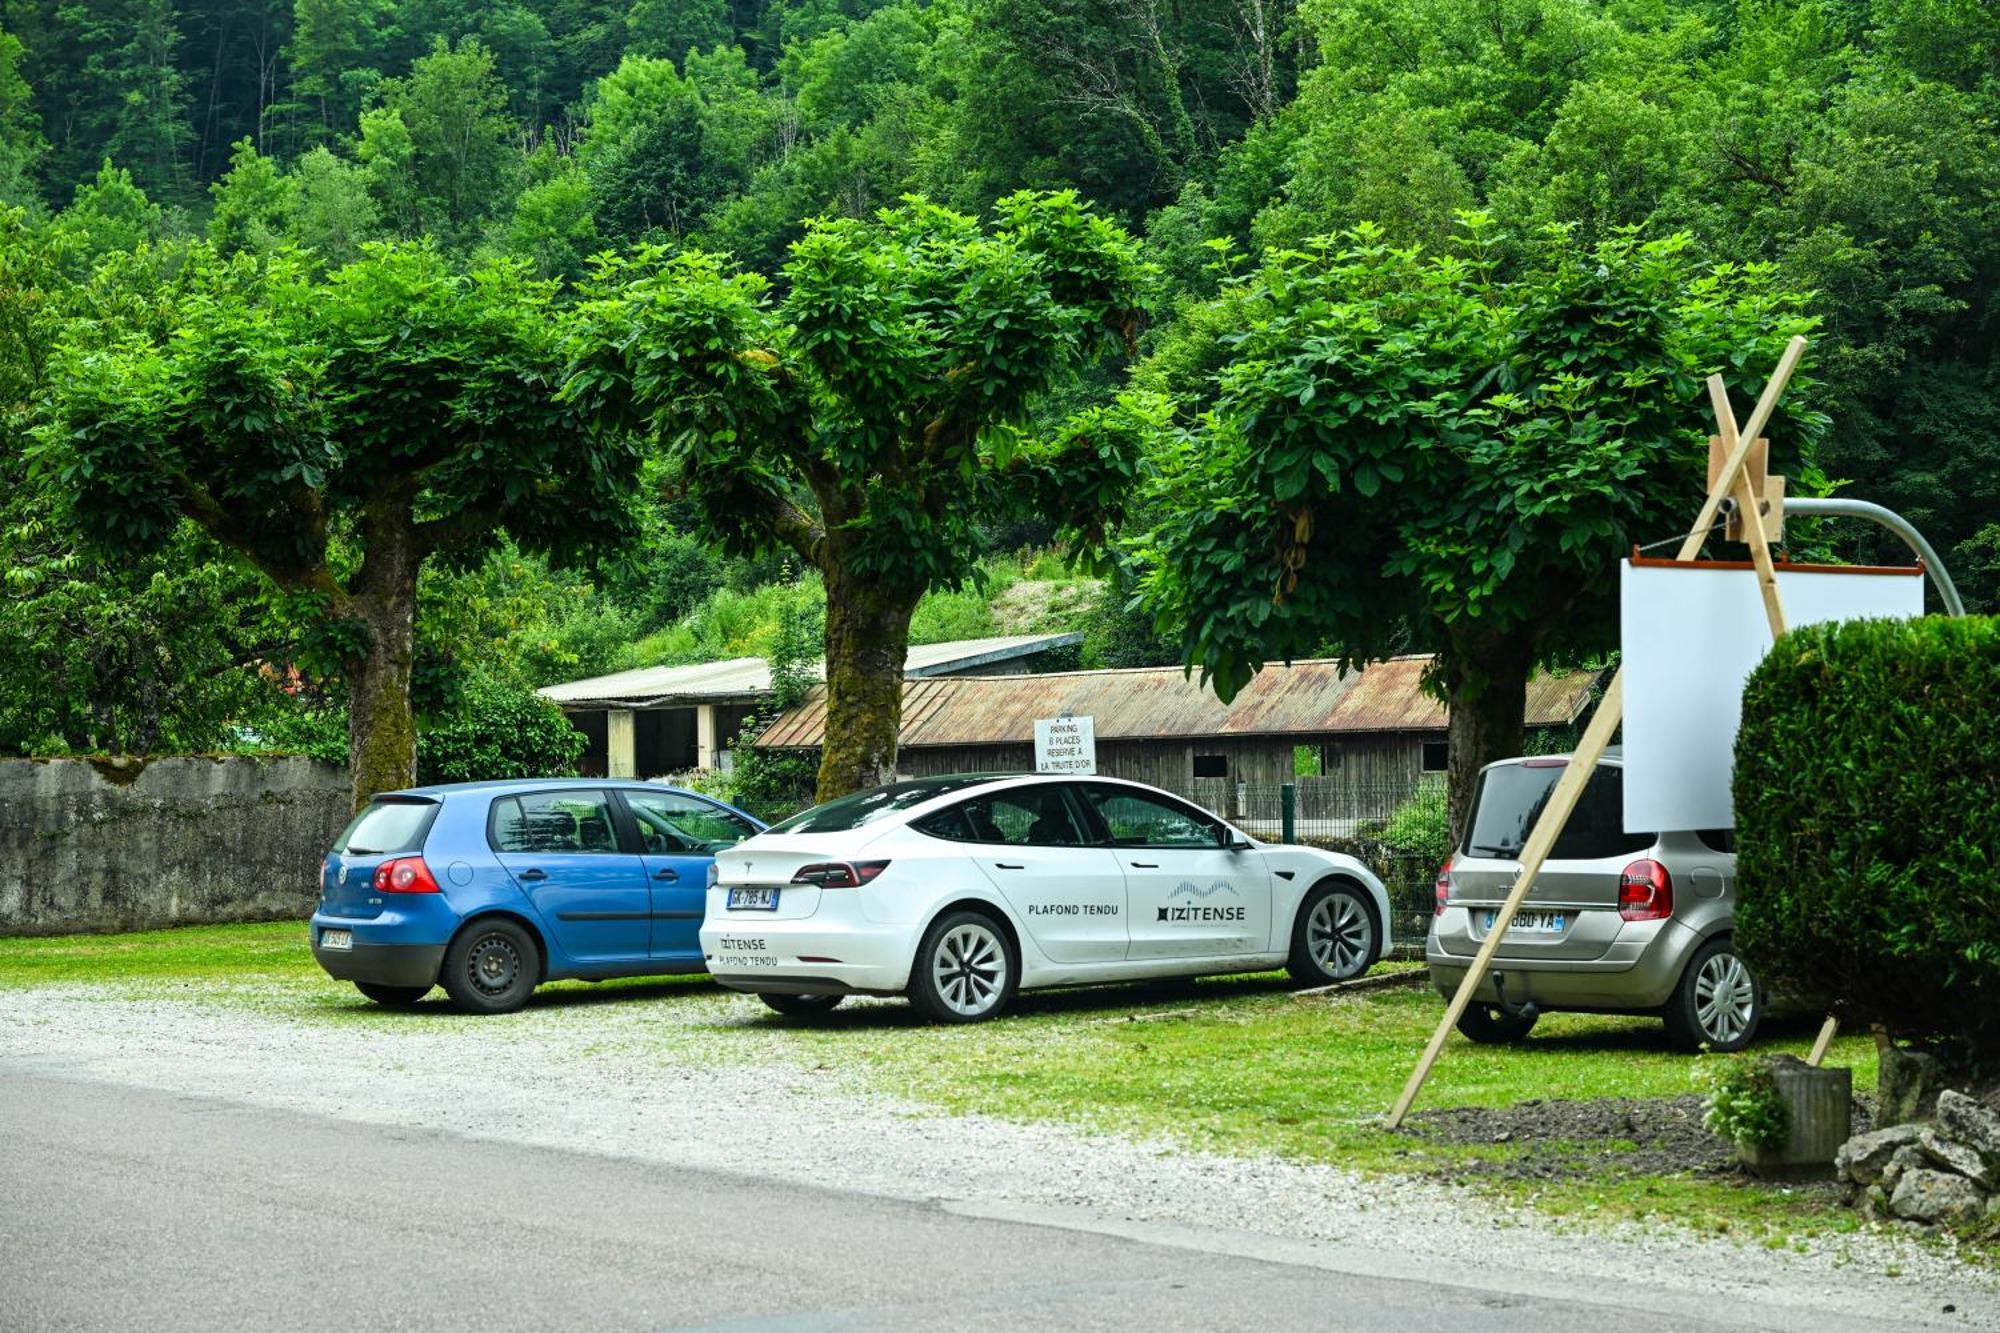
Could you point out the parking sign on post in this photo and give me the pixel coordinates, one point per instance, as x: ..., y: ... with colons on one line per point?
x: 1065, y: 745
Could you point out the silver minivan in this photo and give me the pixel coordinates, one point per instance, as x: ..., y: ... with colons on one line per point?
x: 1617, y: 922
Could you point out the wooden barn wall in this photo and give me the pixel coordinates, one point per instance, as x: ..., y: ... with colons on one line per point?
x: 1359, y: 769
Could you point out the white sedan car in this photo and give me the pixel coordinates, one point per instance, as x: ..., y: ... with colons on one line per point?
x: 958, y: 891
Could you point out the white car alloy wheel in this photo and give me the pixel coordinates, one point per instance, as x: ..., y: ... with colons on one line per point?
x: 1339, y: 935
x: 969, y: 969
x: 1334, y: 938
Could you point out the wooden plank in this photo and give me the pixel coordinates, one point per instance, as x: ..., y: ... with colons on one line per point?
x: 1555, y: 815
x: 1827, y: 1031
x: 1596, y: 738
x: 1767, y: 403
x: 1751, y: 514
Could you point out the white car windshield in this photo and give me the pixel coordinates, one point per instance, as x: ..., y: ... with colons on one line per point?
x: 865, y: 807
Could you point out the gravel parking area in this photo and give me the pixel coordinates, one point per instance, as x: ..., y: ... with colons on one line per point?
x: 702, y: 1078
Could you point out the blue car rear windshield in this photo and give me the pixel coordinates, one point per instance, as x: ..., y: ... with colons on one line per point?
x: 865, y: 807
x: 386, y: 824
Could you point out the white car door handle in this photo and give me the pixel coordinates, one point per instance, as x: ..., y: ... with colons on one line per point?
x: 1009, y: 865
x: 1145, y: 865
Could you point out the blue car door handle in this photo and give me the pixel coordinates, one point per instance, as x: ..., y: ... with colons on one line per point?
x: 667, y: 873
x: 534, y: 874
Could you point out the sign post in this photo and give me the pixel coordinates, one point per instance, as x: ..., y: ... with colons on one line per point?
x: 1065, y: 744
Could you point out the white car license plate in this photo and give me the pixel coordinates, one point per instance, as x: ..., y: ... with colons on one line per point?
x: 1532, y: 923
x: 753, y: 900
x: 336, y: 939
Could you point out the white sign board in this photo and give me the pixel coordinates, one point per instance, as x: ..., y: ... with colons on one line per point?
x: 1691, y: 634
x: 1065, y: 745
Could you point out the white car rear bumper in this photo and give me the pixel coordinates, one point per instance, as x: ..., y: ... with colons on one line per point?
x: 836, y: 950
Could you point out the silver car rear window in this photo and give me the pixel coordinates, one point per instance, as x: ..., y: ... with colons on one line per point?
x: 1510, y: 798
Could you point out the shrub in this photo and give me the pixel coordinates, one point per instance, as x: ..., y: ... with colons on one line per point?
x: 1421, y: 826
x: 1868, y: 817
x: 1744, y: 1105
x: 498, y: 731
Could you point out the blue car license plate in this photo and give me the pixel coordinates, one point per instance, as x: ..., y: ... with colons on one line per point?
x: 753, y: 899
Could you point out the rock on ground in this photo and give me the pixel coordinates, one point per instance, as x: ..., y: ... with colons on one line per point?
x: 1958, y: 1157
x: 1971, y: 1122
x: 1937, y: 1197
x: 1862, y: 1158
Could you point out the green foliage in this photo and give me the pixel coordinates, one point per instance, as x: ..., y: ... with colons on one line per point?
x: 1453, y: 446
x: 644, y: 150
x: 462, y: 158
x: 499, y: 731
x: 21, y: 142
x: 333, y: 212
x: 773, y: 783
x: 1421, y: 826
x: 872, y: 416
x: 251, y: 202
x: 1743, y: 1103
x: 403, y: 408
x: 111, y: 216
x: 1866, y: 769
x: 306, y: 727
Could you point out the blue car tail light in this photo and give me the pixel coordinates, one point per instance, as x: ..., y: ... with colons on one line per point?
x: 405, y: 874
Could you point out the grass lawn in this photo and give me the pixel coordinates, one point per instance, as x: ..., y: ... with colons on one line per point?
x: 1234, y: 1065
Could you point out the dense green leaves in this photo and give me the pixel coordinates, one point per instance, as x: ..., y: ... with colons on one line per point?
x: 1867, y: 771
x: 870, y: 417
x: 338, y: 432
x: 1454, y: 446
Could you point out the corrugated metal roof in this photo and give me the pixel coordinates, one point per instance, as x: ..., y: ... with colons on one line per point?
x: 1155, y: 703
x: 750, y: 677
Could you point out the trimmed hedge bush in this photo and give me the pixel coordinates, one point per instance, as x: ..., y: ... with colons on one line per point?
x: 1868, y: 823
x: 498, y: 731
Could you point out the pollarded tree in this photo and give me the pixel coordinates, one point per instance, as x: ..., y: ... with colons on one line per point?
x: 336, y: 433
x: 869, y: 418
x: 1445, y: 449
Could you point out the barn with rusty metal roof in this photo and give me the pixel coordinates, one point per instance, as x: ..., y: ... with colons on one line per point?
x: 1365, y: 736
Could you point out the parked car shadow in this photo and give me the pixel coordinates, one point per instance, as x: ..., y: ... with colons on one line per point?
x: 554, y: 995
x: 1638, y: 1033
x: 1138, y: 997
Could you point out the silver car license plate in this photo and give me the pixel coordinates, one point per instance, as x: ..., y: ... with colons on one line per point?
x: 1532, y: 923
x: 761, y: 899
x: 336, y: 939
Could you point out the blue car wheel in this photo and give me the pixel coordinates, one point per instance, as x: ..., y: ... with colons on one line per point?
x: 492, y: 966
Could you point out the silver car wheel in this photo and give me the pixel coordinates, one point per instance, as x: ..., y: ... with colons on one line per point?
x: 1725, y: 998
x: 1339, y: 935
x: 969, y: 969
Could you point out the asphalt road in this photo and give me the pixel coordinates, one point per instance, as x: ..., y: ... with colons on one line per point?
x: 128, y: 1208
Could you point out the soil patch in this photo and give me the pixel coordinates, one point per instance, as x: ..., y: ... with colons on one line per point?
x: 1564, y: 1140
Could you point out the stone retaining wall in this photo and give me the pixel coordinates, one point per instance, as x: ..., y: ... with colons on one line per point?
x: 97, y: 844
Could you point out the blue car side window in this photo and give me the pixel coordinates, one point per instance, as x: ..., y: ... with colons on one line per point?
x: 564, y: 821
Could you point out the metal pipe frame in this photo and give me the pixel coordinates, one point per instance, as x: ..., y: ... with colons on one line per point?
x: 1894, y: 522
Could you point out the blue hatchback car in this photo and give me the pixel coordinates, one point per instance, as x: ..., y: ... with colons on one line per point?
x: 491, y: 888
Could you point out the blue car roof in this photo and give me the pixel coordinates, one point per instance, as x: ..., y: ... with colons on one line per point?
x: 499, y: 786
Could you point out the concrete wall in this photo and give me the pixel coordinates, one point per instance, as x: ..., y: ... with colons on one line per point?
x: 128, y: 845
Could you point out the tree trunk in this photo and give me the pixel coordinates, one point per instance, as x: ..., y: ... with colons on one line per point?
x: 381, y: 730
x: 1486, y: 684
x: 867, y: 638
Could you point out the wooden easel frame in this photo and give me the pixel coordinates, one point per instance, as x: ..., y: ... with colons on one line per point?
x: 1731, y: 481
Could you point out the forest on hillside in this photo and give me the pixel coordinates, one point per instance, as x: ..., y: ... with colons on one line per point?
x: 1844, y: 152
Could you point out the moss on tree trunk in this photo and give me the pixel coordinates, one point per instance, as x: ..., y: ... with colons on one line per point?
x: 381, y: 726
x: 867, y: 639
